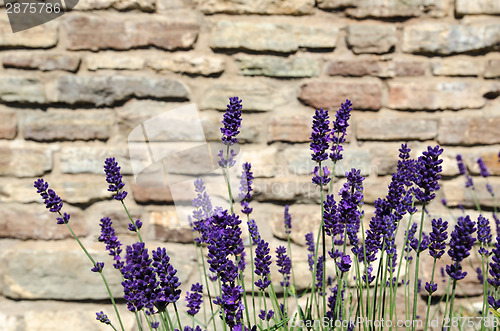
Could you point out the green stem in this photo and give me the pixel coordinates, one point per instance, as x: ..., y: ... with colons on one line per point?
x: 132, y: 221
x: 177, y: 315
x: 102, y: 276
x: 208, y: 287
x: 417, y: 260
x: 430, y: 297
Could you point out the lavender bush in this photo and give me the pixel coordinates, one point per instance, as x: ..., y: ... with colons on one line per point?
x: 358, y: 289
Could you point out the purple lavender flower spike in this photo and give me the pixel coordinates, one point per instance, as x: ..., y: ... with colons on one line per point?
x: 229, y: 162
x: 266, y: 316
x: 428, y: 169
x: 483, y: 169
x: 430, y: 287
x: 254, y: 232
x: 310, y: 249
x: 494, y: 271
x: 51, y: 200
x: 113, y: 245
x: 288, y: 220
x: 155, y: 325
x: 483, y: 234
x: 319, y: 274
x: 495, y: 304
x: 168, y: 288
x: 461, y: 243
x: 231, y: 304
x: 231, y: 121
x: 438, y: 238
x: 139, y: 279
x: 194, y: 299
x: 285, y: 265
x: 103, y: 318
x: 64, y: 219
x: 98, y: 267
x: 114, y: 178
x: 320, y: 135
x: 444, y: 202
x: 197, y: 328
x: 469, y: 182
x: 461, y: 166
x: 136, y: 226
x: 339, y: 130
x: 333, y: 226
x: 410, y: 237
x: 344, y: 263
x: 246, y: 188
x: 262, y: 263
x: 322, y: 179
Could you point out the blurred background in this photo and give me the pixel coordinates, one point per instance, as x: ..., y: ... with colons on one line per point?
x: 424, y: 72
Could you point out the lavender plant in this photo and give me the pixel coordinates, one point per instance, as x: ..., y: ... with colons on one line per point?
x: 355, y: 272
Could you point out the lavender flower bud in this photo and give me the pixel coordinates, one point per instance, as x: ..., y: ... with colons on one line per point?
x: 231, y: 121
x: 103, y: 318
x: 288, y: 220
x: 320, y: 135
x: 114, y: 178
x: 483, y: 169
x: 339, y: 130
x: 194, y: 299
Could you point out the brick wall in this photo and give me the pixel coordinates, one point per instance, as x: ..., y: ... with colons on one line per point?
x: 71, y: 90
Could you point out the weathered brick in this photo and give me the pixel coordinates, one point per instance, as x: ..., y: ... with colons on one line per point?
x: 459, y: 66
x: 455, y: 192
x: 107, y: 90
x: 469, y: 131
x: 67, y: 125
x: 396, y: 129
x: 188, y: 63
x: 442, y: 38
x: 275, y: 37
x: 294, y: 128
x: 257, y: 96
x: 489, y: 157
x: 8, y: 124
x: 19, y: 222
x: 144, y: 5
x: 211, y: 122
x: 264, y: 160
x: 58, y: 315
x: 42, y: 36
x: 375, y: 68
x: 90, y: 159
x: 114, y: 61
x: 492, y: 69
x: 42, y: 61
x: 81, y: 190
x: 329, y: 95
x: 55, y: 270
x: 464, y: 7
x: 364, y: 38
x: 273, y: 66
x: 266, y: 7
x: 299, y: 161
x: 166, y: 227
x: 436, y: 94
x: 134, y: 32
x: 146, y: 194
x: 287, y: 188
x: 387, y: 8
x: 22, y: 160
x: 21, y: 90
